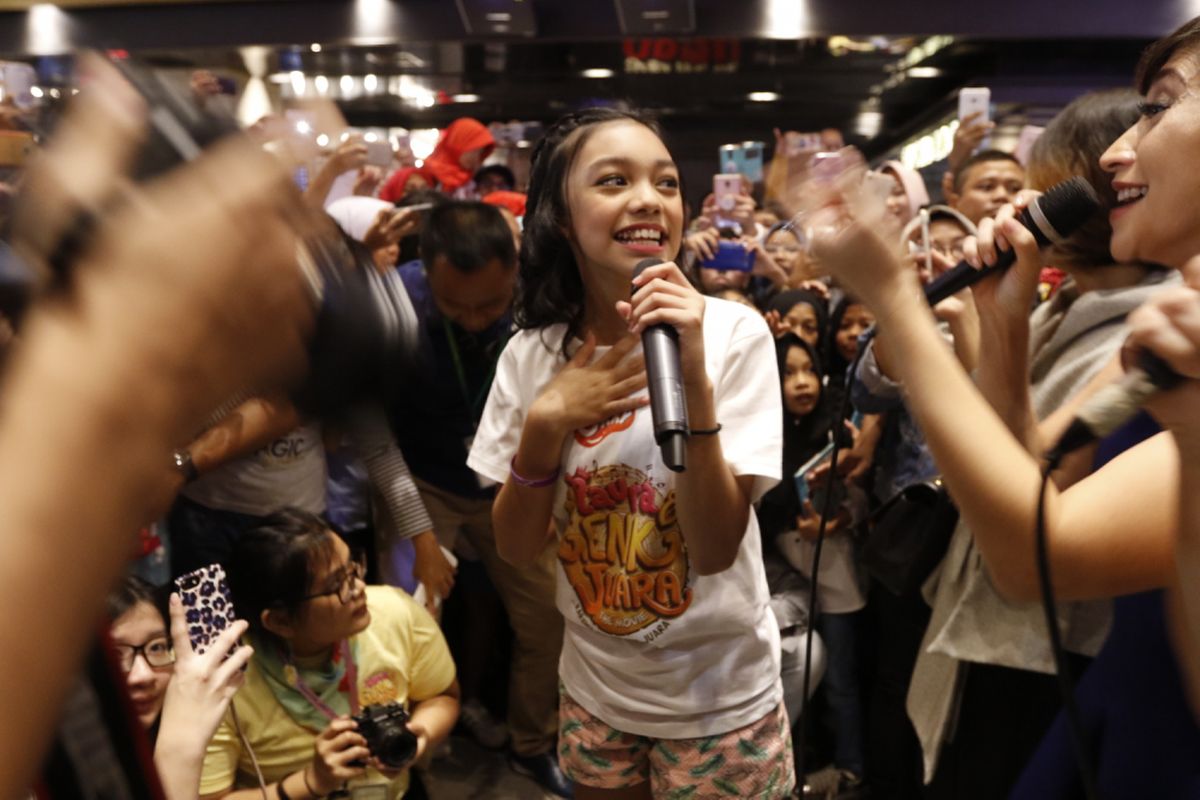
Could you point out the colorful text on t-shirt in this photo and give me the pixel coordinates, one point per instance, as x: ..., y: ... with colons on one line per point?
x: 622, y: 550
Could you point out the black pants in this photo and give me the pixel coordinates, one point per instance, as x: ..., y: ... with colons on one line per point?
x: 1004, y: 715
x: 199, y: 535
x: 894, y: 767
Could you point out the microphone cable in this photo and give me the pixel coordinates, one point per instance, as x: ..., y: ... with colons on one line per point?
x: 801, y: 724
x: 1066, y: 685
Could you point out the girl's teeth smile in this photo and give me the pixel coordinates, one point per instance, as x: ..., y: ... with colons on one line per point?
x: 1131, y: 193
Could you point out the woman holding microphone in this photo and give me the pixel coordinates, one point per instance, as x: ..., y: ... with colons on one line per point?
x: 1115, y: 533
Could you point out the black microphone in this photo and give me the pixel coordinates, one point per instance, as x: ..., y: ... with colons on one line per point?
x: 1051, y: 218
x: 1114, y: 405
x: 668, y: 406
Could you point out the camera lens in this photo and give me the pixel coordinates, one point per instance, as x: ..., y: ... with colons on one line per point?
x: 397, y: 747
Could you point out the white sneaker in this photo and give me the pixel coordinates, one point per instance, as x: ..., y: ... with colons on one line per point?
x: 485, y: 729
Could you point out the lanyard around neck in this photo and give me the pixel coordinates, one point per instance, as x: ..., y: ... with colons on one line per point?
x: 297, y: 682
x: 474, y: 404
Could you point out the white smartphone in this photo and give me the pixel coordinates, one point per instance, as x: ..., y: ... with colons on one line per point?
x: 379, y: 153
x: 726, y: 188
x: 975, y: 99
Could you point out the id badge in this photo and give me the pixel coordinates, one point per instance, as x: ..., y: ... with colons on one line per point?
x: 369, y: 791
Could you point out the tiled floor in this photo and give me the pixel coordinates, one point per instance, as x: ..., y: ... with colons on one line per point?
x: 470, y: 772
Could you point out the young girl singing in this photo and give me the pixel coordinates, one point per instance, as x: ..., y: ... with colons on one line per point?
x: 670, y: 663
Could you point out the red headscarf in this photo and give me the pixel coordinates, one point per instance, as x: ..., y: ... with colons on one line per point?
x: 513, y: 201
x: 394, y: 189
x: 461, y: 136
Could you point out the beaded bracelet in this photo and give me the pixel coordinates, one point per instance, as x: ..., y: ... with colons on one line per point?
x: 706, y: 431
x: 529, y: 483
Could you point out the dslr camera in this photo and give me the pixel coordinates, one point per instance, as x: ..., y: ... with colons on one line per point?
x: 385, y: 727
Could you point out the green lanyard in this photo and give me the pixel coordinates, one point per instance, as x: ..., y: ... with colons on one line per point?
x: 476, y: 404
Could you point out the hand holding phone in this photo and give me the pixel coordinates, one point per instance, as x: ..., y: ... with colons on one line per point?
x: 975, y: 100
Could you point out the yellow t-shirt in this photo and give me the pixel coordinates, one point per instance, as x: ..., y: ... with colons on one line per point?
x: 402, y: 657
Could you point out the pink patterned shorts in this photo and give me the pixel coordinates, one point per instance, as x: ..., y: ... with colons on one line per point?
x: 750, y: 762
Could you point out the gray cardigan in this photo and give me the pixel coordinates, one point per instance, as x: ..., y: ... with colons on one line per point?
x: 1072, y: 336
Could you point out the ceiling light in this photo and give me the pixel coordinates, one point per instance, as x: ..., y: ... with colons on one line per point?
x: 46, y: 29
x: 597, y: 72
x: 869, y: 121
x: 322, y: 84
x: 465, y: 98
x: 924, y: 72
x: 316, y: 48
x: 299, y: 84
x: 36, y: 91
x: 785, y: 19
x: 323, y: 140
x: 763, y: 97
x: 346, y: 84
x: 370, y: 82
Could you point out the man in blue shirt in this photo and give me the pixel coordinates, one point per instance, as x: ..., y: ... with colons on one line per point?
x: 462, y: 292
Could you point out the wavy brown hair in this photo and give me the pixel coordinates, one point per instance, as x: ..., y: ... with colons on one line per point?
x: 1072, y: 145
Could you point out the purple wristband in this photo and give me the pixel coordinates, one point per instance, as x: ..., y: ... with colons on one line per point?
x: 521, y: 480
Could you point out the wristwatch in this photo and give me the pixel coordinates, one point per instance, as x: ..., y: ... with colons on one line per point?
x: 182, y: 459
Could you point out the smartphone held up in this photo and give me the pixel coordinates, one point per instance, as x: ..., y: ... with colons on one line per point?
x: 207, y: 605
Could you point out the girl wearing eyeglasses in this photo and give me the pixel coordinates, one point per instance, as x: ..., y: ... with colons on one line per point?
x: 179, y: 696
x: 326, y: 646
x: 143, y: 647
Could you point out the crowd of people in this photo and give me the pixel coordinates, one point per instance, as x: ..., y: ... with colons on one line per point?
x: 774, y: 620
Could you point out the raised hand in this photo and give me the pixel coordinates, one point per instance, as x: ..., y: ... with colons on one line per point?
x: 201, y: 689
x: 662, y: 295
x: 970, y: 134
x: 1010, y: 294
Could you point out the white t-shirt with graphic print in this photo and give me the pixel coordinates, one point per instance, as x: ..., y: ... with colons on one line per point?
x: 651, y: 647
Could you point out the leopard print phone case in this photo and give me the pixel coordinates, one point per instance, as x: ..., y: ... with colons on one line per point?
x: 207, y: 604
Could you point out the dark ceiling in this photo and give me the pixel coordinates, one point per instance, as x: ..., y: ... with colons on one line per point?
x: 1035, y: 57
x: 816, y: 88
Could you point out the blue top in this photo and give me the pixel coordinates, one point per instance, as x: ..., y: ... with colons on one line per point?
x: 902, y: 456
x: 436, y: 414
x: 1144, y: 741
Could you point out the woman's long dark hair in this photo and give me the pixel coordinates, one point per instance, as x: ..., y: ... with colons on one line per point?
x: 272, y: 565
x: 549, y: 287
